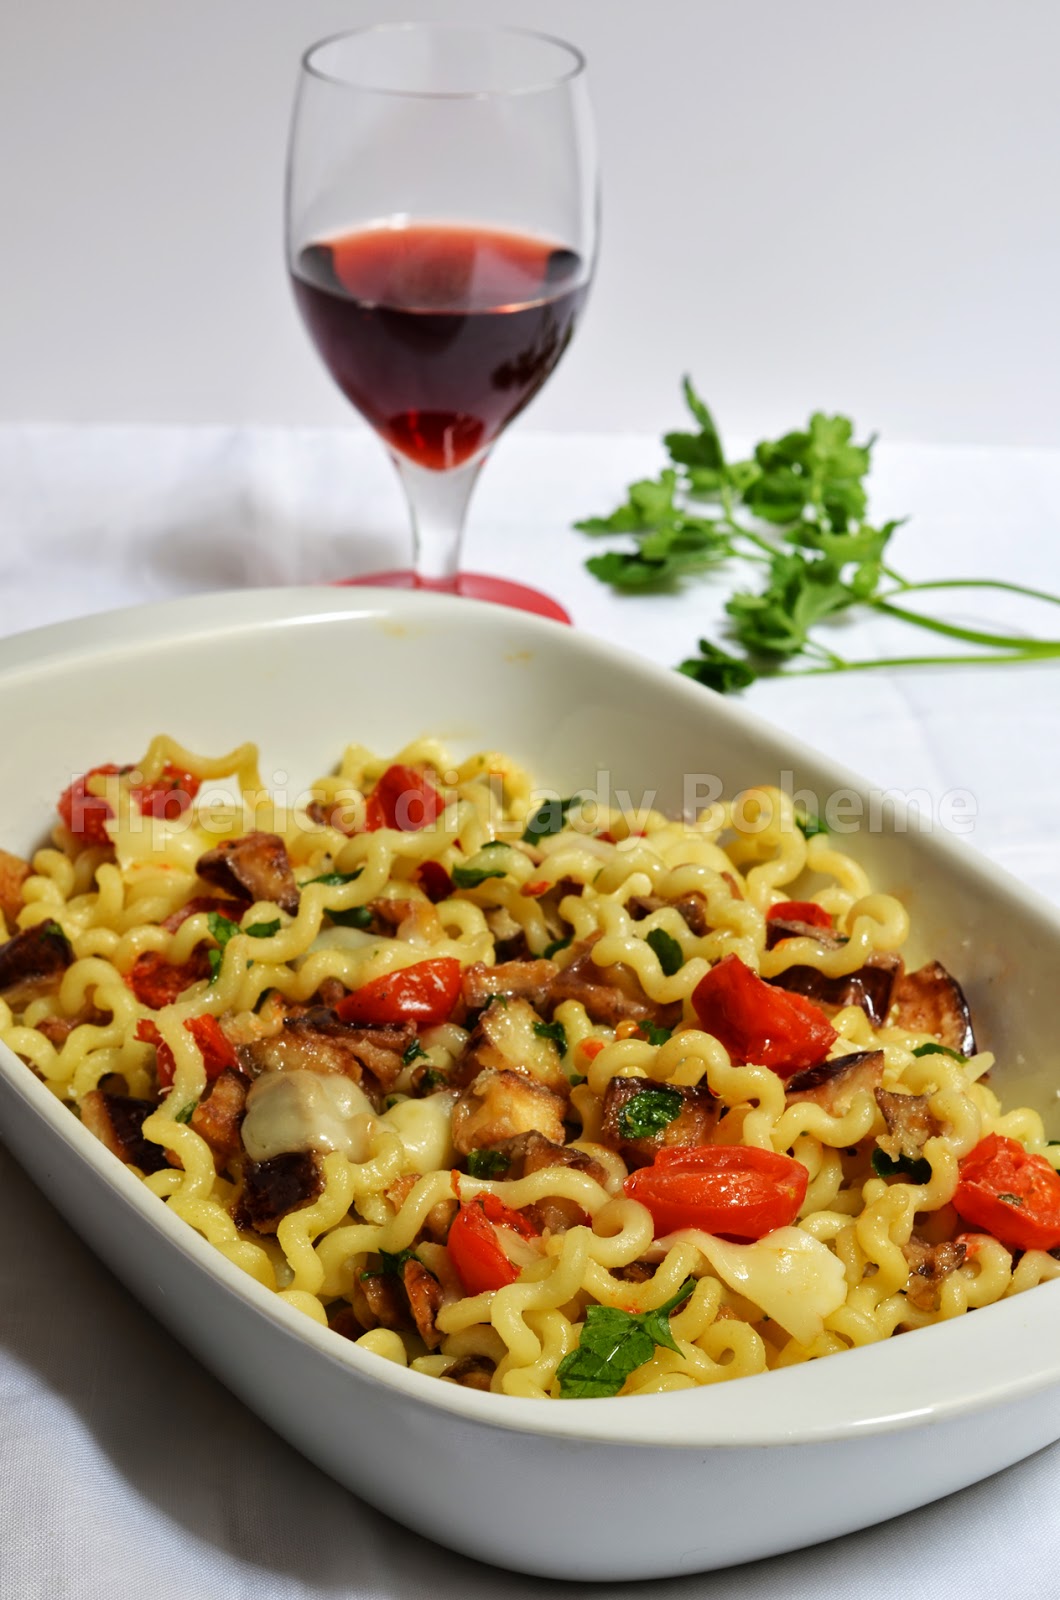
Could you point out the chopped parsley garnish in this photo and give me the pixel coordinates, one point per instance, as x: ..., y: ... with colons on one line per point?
x: 413, y: 1052
x: 648, y: 1113
x: 808, y: 824
x: 487, y: 1163
x: 357, y: 917
x: 554, y: 1031
x: 940, y: 1050
x: 554, y: 948
x: 653, y: 1034
x: 392, y: 1263
x: 615, y: 1343
x: 549, y: 818
x: 223, y: 928
x: 185, y: 1112
x: 577, y: 1078
x: 885, y: 1166
x: 671, y: 956
x: 471, y: 877
x: 432, y: 1078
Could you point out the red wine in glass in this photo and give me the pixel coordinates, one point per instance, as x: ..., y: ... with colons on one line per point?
x: 441, y: 238
x: 439, y: 334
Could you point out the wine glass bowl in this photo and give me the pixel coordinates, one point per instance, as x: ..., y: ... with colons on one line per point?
x: 441, y: 237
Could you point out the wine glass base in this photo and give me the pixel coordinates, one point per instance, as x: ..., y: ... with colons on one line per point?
x: 472, y: 586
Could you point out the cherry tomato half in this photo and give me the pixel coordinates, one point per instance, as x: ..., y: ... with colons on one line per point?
x: 758, y: 1023
x: 735, y: 1190
x: 216, y: 1051
x: 86, y: 815
x: 1011, y: 1193
x: 156, y: 982
x: 403, y: 798
x: 425, y: 994
x: 474, y: 1248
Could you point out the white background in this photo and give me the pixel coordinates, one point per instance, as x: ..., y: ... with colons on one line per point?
x: 827, y: 203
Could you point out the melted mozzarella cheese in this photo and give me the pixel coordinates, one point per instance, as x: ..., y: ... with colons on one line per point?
x: 793, y: 1277
x: 307, y: 1111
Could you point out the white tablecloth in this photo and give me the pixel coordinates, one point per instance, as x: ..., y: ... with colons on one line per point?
x: 127, y: 1472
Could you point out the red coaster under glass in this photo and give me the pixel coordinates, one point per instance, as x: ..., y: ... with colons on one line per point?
x: 473, y: 586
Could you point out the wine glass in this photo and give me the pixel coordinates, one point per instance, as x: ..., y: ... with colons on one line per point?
x: 441, y: 236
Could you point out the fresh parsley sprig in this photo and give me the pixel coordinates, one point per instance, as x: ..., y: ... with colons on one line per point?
x: 613, y: 1344
x: 795, y: 513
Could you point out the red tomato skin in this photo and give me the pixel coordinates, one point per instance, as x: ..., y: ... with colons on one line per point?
x: 169, y: 796
x: 217, y: 1053
x: 1000, y: 1166
x: 404, y: 798
x: 435, y: 881
x: 156, y: 983
x: 758, y: 1023
x: 481, y: 1264
x: 737, y: 1191
x: 86, y: 815
x: 799, y: 911
x: 425, y: 994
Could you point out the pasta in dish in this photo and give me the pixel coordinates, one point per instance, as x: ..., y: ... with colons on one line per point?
x: 530, y: 1095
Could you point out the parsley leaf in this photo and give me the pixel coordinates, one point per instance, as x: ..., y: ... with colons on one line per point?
x: 934, y: 1049
x: 223, y: 928
x: 185, y: 1112
x: 809, y: 825
x: 615, y: 1343
x: 392, y: 1263
x: 471, y: 877
x: 648, y: 1113
x: 487, y: 1163
x: 716, y: 669
x: 554, y: 948
x: 356, y: 917
x: 554, y: 1031
x: 670, y: 955
x: 550, y: 817
x: 412, y: 1053
x: 885, y: 1166
x: 654, y: 1035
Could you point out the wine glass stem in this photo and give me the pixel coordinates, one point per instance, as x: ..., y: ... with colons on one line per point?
x: 438, y: 503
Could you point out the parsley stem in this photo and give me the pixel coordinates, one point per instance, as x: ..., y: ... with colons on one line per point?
x: 1043, y: 647
x: 974, y: 583
x: 915, y: 661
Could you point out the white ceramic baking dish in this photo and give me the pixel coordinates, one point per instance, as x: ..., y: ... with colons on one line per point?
x: 598, y: 1489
